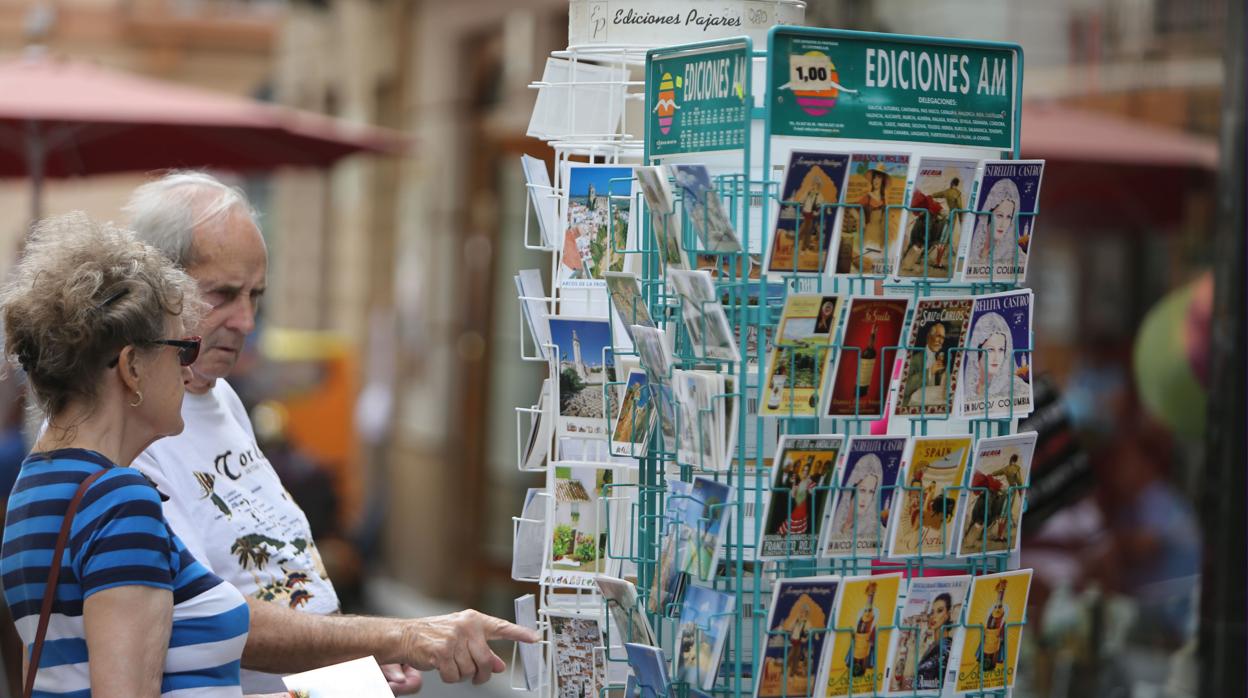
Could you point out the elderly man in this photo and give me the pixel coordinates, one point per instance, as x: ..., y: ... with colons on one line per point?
x: 225, y: 501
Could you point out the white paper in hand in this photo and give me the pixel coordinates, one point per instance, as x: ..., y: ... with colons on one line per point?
x: 358, y: 678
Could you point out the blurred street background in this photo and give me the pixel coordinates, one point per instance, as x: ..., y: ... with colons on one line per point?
x: 384, y: 373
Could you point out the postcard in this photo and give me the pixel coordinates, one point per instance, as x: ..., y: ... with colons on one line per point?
x: 661, y: 203
x: 705, y: 617
x: 993, y: 515
x: 706, y: 515
x: 986, y: 651
x: 597, y: 221
x: 932, y: 236
x: 583, y: 358
x: 530, y: 653
x: 862, y: 630
x: 596, y: 110
x: 867, y: 480
x: 803, y: 342
x: 918, y: 655
x: 358, y: 678
x: 795, y: 506
x: 808, y: 215
x: 870, y: 232
x: 579, y: 662
x: 534, y: 304
x: 709, y: 333
x: 630, y: 305
x: 996, y: 365
x: 579, y: 522
x: 537, y: 446
x: 544, y: 198
x: 669, y: 578
x: 925, y: 513
x: 697, y: 431
x: 860, y: 370
x: 726, y: 405
x: 928, y: 386
x: 620, y: 597
x: 636, y: 414
x: 704, y: 209
x: 657, y: 361
x: 650, y: 669
x: 529, y: 543
x: 797, y: 623
x: 1000, y: 239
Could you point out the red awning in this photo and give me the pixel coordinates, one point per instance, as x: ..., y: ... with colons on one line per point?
x: 1059, y: 133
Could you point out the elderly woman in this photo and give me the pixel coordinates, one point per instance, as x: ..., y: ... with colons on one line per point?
x: 96, y: 320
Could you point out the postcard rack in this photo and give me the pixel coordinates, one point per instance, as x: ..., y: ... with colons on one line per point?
x: 742, y: 139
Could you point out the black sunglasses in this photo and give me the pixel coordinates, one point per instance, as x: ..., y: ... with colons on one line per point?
x: 188, y: 349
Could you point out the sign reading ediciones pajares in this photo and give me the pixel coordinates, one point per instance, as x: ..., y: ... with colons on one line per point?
x: 843, y: 85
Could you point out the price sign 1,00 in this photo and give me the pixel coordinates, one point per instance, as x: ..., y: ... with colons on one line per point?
x: 811, y: 72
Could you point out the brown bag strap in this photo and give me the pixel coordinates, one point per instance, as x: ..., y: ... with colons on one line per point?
x: 54, y: 571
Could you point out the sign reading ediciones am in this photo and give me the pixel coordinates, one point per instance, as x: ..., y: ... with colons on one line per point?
x: 697, y: 100
x: 837, y: 86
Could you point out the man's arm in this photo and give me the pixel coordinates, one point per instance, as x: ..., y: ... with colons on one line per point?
x: 283, y: 640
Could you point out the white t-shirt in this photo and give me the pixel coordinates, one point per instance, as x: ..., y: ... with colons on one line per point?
x: 230, y: 509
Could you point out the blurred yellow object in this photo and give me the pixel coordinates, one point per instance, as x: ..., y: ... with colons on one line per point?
x: 320, y: 419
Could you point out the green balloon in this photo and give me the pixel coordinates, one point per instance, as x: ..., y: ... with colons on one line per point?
x: 1167, y: 385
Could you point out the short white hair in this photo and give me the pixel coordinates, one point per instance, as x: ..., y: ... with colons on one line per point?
x: 165, y: 212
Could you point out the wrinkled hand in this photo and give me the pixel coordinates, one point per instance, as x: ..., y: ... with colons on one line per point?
x: 403, y: 679
x: 455, y: 644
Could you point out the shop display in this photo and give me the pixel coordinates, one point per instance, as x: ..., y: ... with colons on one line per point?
x: 791, y: 347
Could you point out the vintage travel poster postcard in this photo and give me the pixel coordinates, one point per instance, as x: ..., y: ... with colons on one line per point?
x: 996, y: 366
x: 660, y: 201
x: 808, y: 215
x: 794, y: 507
x: 800, y: 611
x: 578, y: 524
x: 705, y: 618
x: 1000, y: 240
x: 862, y: 630
x: 803, y: 341
x: 918, y: 656
x: 870, y: 232
x: 632, y: 424
x: 992, y: 517
x: 986, y: 653
x: 704, y: 209
x: 867, y: 478
x: 583, y: 360
x: 932, y: 228
x: 579, y: 656
x: 929, y: 375
x: 649, y: 670
x: 925, y: 514
x: 598, y: 200
x: 620, y: 596
x: 710, y: 334
x: 860, y: 370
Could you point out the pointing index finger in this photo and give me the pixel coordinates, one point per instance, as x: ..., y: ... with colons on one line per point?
x: 502, y: 630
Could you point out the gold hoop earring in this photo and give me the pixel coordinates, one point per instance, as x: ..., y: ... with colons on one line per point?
x: 138, y: 402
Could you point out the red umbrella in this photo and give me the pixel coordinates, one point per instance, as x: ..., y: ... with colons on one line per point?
x: 60, y: 118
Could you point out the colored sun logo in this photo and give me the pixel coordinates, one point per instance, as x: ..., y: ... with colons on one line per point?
x: 819, y: 102
x: 666, y: 105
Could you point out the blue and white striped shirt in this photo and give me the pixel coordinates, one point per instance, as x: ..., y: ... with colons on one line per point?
x: 119, y: 537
